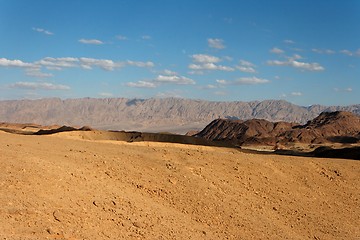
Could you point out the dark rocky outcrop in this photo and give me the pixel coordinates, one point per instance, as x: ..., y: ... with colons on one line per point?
x: 342, y: 127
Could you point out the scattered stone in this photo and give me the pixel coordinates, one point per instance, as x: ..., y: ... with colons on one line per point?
x: 170, y: 166
x: 173, y: 181
x: 56, y: 215
x: 138, y: 224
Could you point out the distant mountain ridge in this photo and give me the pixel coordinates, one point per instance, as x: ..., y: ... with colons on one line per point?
x: 154, y: 114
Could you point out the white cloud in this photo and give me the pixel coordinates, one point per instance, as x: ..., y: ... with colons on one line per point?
x: 110, y: 65
x: 246, y: 63
x: 349, y: 89
x: 206, y: 62
x: 296, y: 64
x: 278, y: 63
x: 31, y: 69
x: 276, y: 50
x: 105, y: 64
x: 210, y: 66
x: 323, y: 51
x: 288, y: 41
x: 221, y: 81
x: 87, y: 67
x: 197, y: 72
x: 169, y: 72
x: 169, y: 77
x: 246, y: 69
x: 346, y: 52
x: 297, y: 94
x: 146, y: 37
x: 244, y: 81
x: 121, y: 37
x: 34, y: 69
x: 57, y: 63
x: 170, y: 94
x: 91, y: 41
x: 209, y: 86
x: 138, y: 64
x: 203, y: 58
x: 349, y: 53
x: 39, y: 85
x: 180, y: 80
x: 36, y: 72
x: 329, y: 51
x: 246, y: 66
x: 216, y: 43
x: 14, y: 63
x: 296, y: 56
x: 292, y: 94
x: 141, y: 84
x: 307, y: 66
x: 297, y: 49
x: 227, y: 58
x: 41, y: 30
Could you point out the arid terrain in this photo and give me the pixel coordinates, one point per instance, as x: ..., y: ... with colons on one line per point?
x: 78, y: 185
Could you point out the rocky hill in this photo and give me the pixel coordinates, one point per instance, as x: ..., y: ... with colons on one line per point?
x: 155, y: 115
x: 341, y: 127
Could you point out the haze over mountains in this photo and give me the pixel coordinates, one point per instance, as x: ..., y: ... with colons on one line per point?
x: 155, y: 114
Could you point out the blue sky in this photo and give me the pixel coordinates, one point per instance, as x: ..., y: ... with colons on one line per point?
x: 306, y: 52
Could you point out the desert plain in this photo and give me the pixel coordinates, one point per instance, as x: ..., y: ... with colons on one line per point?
x: 73, y: 185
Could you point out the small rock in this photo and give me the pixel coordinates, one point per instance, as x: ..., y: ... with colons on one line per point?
x: 173, y: 181
x: 57, y: 215
x: 138, y: 224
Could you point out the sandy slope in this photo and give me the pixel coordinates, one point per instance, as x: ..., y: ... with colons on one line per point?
x: 62, y: 187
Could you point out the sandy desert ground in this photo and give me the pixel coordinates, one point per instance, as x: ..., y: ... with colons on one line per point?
x: 66, y: 187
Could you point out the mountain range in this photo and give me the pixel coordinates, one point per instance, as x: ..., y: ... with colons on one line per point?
x: 156, y: 114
